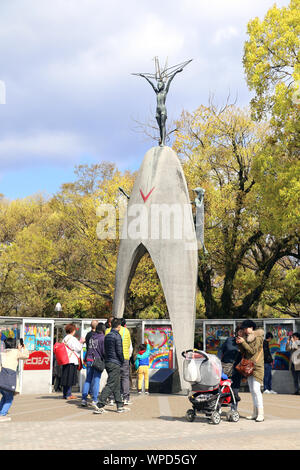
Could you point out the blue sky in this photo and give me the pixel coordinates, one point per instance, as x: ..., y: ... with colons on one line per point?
x: 70, y: 95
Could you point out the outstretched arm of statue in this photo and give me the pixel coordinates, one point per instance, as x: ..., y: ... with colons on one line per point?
x: 153, y: 86
x: 171, y: 78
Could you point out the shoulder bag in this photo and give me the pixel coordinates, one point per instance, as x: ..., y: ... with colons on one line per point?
x: 246, y: 366
x: 79, y: 367
x: 98, y: 364
x: 227, y: 368
x: 8, y: 378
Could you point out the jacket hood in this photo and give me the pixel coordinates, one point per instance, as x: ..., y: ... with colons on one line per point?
x: 255, y: 334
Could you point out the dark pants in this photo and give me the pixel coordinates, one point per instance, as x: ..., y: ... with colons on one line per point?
x: 296, y: 377
x: 6, y: 401
x: 235, y: 385
x: 268, y: 376
x: 67, y: 391
x: 112, y: 385
x: 125, y: 371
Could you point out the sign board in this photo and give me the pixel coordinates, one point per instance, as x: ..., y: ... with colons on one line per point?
x: 38, y: 360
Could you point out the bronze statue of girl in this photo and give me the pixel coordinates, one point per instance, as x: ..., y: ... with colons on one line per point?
x: 161, y: 89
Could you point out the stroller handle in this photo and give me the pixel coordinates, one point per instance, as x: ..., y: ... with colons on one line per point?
x: 195, y: 351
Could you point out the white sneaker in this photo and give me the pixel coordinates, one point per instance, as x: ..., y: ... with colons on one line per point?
x: 83, y: 403
x: 272, y: 391
x: 111, y: 403
x: 254, y: 414
x: 122, y: 409
x: 127, y: 402
x: 5, y: 418
x: 99, y: 411
x: 260, y: 415
x: 267, y: 391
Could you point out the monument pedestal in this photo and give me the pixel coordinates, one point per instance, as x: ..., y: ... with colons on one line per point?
x: 159, y: 221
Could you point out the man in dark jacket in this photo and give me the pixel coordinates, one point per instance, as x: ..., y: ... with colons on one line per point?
x: 113, y: 361
x: 268, y: 360
x: 230, y: 356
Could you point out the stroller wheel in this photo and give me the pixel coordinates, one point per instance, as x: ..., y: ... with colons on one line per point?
x: 233, y: 416
x: 190, y: 415
x: 215, y: 417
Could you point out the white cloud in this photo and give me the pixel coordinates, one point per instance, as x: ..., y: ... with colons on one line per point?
x: 224, y: 34
x: 40, y: 147
x: 67, y: 63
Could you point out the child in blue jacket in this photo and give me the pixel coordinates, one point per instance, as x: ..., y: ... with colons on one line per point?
x: 142, y: 366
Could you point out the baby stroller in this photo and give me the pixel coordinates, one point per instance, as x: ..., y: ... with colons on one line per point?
x: 210, y: 389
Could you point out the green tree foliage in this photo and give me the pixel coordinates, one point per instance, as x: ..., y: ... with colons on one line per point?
x: 218, y: 150
x: 249, y: 166
x: 50, y: 252
x: 272, y: 66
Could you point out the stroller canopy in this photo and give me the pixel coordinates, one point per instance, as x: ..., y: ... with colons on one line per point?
x: 201, y: 368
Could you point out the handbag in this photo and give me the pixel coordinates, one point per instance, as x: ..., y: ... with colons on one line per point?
x: 227, y: 368
x: 8, y: 379
x: 80, y: 365
x: 246, y: 366
x: 98, y: 364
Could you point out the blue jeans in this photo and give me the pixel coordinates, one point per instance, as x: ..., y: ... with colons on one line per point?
x: 268, y: 376
x: 92, y: 380
x: 6, y: 402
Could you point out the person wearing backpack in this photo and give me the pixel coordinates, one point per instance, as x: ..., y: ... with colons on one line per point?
x: 95, y: 349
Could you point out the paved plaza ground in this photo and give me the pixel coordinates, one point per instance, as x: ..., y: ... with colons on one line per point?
x: 154, y: 422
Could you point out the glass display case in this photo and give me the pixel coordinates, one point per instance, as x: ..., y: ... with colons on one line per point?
x: 215, y: 335
x: 37, y: 370
x: 277, y: 345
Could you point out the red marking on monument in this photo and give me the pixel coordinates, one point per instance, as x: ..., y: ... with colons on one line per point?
x: 145, y: 197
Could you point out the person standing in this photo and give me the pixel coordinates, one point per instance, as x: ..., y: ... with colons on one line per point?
x: 268, y: 361
x: 293, y: 345
x: 125, y: 368
x: 10, y: 359
x: 251, y: 347
x: 95, y: 349
x: 230, y: 356
x: 108, y: 324
x: 94, y: 324
x: 142, y: 366
x: 69, y: 371
x: 114, y: 359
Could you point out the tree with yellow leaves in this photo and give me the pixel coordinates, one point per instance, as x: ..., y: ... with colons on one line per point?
x: 218, y: 149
